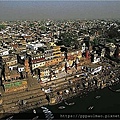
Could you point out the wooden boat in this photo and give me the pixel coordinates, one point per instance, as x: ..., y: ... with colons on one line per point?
x: 44, y: 108
x: 91, y: 107
x: 118, y: 90
x: 66, y: 103
x: 72, y: 103
x: 49, y: 116
x: 69, y: 103
x: 10, y: 118
x: 35, y: 118
x: 34, y: 111
x: 97, y: 97
x: 49, y: 111
x: 45, y: 111
x: 62, y: 107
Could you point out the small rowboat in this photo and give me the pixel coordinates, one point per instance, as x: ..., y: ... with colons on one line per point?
x: 97, y: 97
x: 62, y: 107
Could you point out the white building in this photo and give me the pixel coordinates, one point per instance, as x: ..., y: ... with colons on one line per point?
x: 21, y: 68
x: 96, y: 60
x: 4, y: 51
x: 35, y: 46
x: 103, y: 53
x: 12, y: 67
x: 83, y: 48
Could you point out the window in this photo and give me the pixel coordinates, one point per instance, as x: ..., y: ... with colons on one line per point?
x: 10, y: 68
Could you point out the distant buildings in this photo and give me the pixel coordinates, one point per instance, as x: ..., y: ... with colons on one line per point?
x: 29, y: 48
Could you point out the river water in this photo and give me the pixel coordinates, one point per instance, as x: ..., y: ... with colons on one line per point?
x: 108, y: 103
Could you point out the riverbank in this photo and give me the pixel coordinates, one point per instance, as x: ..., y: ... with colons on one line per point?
x: 62, y: 89
x: 107, y: 103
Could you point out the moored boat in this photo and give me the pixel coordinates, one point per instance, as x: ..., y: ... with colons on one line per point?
x: 97, y: 97
x: 118, y: 90
x: 44, y: 108
x: 34, y: 111
x: 61, y: 107
x: 10, y: 118
x: 91, y: 107
x: 35, y: 118
x: 72, y: 103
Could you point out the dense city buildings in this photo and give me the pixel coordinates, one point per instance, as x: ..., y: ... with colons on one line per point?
x: 46, y: 62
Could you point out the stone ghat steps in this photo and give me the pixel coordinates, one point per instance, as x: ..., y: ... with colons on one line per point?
x: 26, y: 98
x: 21, y: 91
x: 23, y: 97
x: 33, y: 96
x: 32, y: 104
x: 31, y: 82
x: 14, y: 92
x: 9, y: 105
x: 22, y: 94
x: 14, y: 109
x: 35, y: 102
x: 12, y: 106
x: 1, y: 109
x: 35, y: 99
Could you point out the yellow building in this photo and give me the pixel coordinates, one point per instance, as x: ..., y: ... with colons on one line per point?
x: 56, y: 51
x: 10, y: 60
x: 53, y: 61
x: 38, y: 65
x: 52, y: 44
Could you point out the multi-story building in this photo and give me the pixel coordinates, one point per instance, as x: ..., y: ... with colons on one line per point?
x: 11, y: 60
x: 10, y: 75
x: 4, y: 51
x: 35, y: 46
x: 117, y: 52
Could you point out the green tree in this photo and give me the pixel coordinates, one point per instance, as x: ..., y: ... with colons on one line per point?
x: 110, y: 40
x: 95, y: 41
x: 43, y: 28
x: 2, y: 26
x: 113, y: 32
x: 68, y: 39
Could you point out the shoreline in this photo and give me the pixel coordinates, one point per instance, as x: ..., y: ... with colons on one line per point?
x: 79, y: 94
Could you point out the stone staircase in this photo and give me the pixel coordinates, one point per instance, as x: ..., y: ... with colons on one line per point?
x: 18, y: 101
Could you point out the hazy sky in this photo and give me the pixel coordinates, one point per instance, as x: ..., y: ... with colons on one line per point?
x: 48, y: 9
